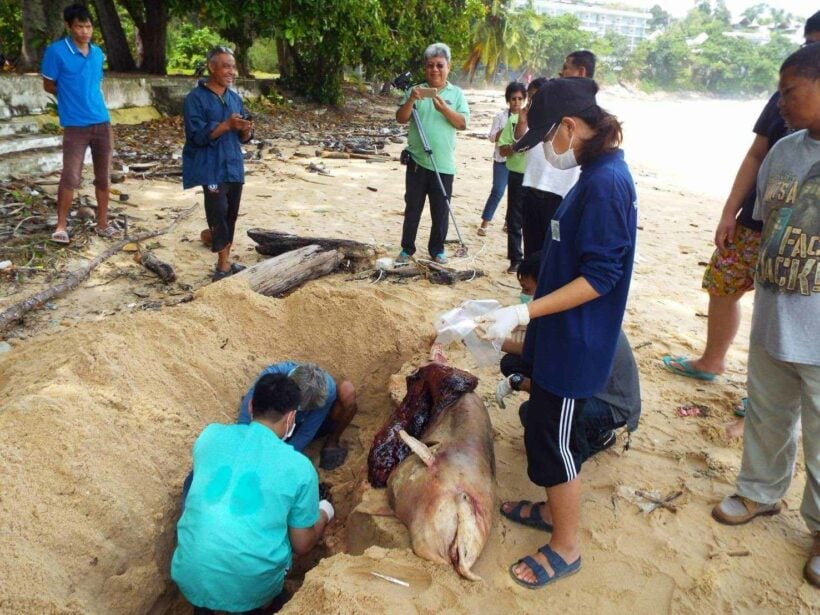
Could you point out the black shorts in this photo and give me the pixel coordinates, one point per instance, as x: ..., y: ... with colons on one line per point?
x: 553, y: 438
x: 221, y: 211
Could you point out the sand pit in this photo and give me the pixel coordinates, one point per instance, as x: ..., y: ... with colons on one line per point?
x: 100, y: 403
x: 98, y: 422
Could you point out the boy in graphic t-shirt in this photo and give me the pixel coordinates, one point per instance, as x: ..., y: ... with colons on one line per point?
x: 784, y: 354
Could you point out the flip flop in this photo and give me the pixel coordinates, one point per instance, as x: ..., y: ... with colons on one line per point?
x: 682, y: 367
x: 741, y: 408
x: 332, y: 457
x: 236, y: 267
x: 560, y: 568
x: 109, y: 232
x: 221, y: 275
x: 60, y: 237
x: 534, y: 519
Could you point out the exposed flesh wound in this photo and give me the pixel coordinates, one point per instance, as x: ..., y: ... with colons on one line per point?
x: 430, y: 389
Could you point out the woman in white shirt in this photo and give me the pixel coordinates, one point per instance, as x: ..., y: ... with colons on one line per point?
x: 516, y: 96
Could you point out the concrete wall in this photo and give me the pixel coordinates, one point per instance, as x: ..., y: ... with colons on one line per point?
x: 22, y: 95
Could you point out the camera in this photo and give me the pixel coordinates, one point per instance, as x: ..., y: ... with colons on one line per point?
x: 403, y: 81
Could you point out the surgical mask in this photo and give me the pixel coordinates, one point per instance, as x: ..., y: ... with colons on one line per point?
x: 290, y: 431
x: 525, y: 298
x: 560, y: 161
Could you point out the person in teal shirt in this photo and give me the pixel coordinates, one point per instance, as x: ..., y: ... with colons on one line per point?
x: 440, y: 115
x: 253, y: 502
x: 516, y: 165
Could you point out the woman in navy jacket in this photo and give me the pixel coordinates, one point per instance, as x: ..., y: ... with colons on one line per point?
x: 576, y: 316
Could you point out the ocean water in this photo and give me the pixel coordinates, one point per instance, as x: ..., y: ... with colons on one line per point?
x: 694, y: 145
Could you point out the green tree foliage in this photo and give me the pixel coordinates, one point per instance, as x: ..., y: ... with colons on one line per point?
x: 263, y: 56
x: 557, y: 37
x: 11, y: 28
x: 660, y: 18
x: 613, y: 55
x: 523, y: 40
x: 188, y: 44
x: 724, y: 63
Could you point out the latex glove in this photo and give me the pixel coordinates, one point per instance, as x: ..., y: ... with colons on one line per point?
x: 498, y: 324
x: 328, y: 508
x: 503, y: 390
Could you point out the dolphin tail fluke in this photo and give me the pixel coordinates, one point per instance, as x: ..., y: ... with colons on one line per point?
x: 468, y: 540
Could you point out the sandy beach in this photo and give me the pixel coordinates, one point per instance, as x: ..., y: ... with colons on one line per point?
x: 104, y: 394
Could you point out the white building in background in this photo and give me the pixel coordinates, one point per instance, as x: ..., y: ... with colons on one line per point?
x: 596, y: 18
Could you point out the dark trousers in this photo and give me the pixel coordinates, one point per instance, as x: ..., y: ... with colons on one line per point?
x: 274, y: 607
x: 514, y: 217
x: 596, y: 423
x: 221, y: 210
x: 421, y: 184
x: 538, y: 207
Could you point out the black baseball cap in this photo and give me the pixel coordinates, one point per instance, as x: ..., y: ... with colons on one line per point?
x: 556, y: 99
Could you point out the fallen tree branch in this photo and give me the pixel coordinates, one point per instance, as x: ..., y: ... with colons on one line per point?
x: 163, y: 270
x: 273, y: 243
x: 74, y: 278
x: 279, y: 274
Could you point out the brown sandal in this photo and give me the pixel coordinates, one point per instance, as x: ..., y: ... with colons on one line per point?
x: 737, y: 510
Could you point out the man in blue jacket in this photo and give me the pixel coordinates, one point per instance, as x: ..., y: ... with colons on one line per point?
x: 215, y: 126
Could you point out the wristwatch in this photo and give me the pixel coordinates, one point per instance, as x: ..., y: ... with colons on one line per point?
x: 516, y: 380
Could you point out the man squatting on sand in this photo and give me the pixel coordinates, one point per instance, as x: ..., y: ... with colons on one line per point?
x: 440, y: 115
x: 216, y: 125
x: 326, y: 409
x: 253, y: 502
x: 72, y: 70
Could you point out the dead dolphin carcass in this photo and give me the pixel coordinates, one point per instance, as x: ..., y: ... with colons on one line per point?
x: 445, y: 493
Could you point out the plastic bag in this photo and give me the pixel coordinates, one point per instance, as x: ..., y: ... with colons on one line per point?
x: 459, y: 325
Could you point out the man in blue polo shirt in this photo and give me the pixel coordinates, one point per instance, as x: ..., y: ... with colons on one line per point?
x: 72, y: 70
x: 254, y: 501
x: 215, y: 126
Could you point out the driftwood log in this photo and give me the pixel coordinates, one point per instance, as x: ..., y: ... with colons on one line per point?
x: 273, y: 243
x: 153, y: 264
x: 279, y: 274
x: 74, y: 278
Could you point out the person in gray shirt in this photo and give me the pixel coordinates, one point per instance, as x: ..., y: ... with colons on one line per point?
x: 784, y: 353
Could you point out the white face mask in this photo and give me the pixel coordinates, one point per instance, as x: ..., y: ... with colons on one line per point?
x: 560, y: 161
x: 290, y: 431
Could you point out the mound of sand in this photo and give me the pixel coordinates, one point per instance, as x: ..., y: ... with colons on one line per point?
x: 98, y: 422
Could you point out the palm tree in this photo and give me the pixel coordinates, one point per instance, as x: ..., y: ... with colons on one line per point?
x: 487, y: 36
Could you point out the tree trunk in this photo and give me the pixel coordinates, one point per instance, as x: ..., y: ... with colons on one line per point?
x: 42, y: 24
x: 273, y: 243
x: 116, y: 44
x: 151, y: 20
x: 277, y: 275
x: 284, y: 59
x: 154, y: 34
x: 241, y: 35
